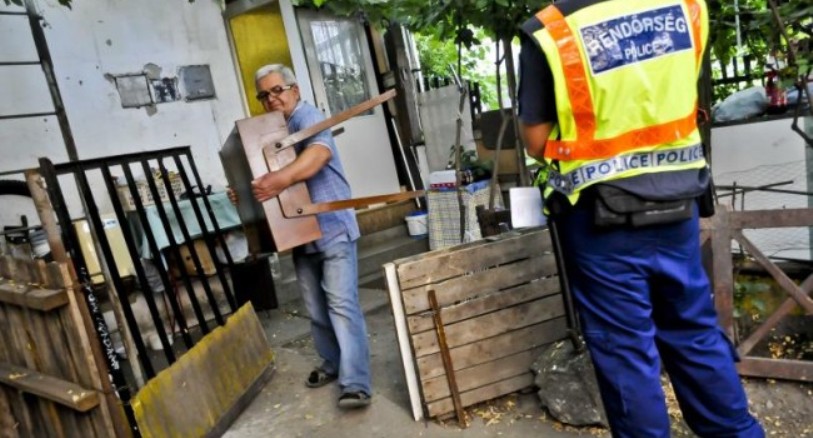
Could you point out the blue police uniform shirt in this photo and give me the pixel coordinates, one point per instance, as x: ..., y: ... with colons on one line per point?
x: 537, y: 104
x: 329, y: 184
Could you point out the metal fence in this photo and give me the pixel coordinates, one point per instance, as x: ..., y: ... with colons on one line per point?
x: 193, y: 302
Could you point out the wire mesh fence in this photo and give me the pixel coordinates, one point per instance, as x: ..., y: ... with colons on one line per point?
x: 771, y: 187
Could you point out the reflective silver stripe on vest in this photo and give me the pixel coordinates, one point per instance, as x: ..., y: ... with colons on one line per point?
x: 600, y: 170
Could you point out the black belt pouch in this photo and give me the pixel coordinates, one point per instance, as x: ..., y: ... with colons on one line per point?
x: 615, y: 207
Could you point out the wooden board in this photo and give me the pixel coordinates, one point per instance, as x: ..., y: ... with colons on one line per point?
x: 244, y: 160
x: 501, y: 305
x: 499, y: 300
x: 199, y: 393
x: 57, y: 390
x: 437, y: 266
x: 503, y: 320
x: 479, y: 283
x: 38, y: 299
x: 493, y: 348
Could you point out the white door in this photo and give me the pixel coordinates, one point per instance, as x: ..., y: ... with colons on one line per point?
x: 342, y: 75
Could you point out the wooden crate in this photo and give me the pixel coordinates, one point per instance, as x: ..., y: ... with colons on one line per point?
x: 501, y: 305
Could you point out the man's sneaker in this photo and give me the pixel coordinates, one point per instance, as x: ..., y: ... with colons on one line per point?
x: 353, y: 400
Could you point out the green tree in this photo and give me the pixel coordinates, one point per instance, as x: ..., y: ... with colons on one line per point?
x: 437, y: 54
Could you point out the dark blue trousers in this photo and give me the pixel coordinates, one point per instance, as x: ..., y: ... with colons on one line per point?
x: 644, y: 299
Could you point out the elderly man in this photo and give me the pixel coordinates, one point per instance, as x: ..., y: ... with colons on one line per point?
x: 327, y: 269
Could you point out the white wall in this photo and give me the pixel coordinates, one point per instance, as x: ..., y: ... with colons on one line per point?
x: 112, y: 37
x: 763, y: 153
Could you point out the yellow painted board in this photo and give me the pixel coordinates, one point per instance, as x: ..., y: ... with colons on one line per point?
x: 191, y: 396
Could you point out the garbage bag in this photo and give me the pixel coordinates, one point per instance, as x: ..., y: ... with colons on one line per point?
x: 741, y: 105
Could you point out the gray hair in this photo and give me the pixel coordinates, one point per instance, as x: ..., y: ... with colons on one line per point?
x: 285, y: 71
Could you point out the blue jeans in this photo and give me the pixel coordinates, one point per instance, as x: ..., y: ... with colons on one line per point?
x: 328, y: 281
x: 643, y: 298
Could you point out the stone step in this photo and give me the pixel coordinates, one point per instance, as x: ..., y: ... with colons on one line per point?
x: 371, y: 260
x: 375, y: 250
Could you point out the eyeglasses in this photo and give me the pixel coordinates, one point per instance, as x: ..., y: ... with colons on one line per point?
x: 274, y: 91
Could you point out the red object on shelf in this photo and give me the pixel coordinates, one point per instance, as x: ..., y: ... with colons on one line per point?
x: 777, y: 98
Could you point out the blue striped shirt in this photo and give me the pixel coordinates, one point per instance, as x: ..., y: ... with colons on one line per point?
x: 329, y: 184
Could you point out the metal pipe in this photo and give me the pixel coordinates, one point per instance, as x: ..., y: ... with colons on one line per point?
x: 113, y: 270
x: 573, y: 329
x: 27, y: 116
x: 149, y: 297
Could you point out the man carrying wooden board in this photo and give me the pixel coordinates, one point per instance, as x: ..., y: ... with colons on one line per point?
x: 327, y: 269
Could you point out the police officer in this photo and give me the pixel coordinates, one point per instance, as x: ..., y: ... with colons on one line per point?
x: 608, y: 99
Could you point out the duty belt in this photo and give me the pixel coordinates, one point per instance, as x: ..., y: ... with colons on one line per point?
x: 593, y: 171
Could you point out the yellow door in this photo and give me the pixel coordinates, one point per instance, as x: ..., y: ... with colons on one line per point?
x: 259, y: 39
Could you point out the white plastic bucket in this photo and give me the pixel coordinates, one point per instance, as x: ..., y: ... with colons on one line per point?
x: 416, y: 223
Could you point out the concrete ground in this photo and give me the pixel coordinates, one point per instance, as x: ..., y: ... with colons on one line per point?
x: 287, y: 408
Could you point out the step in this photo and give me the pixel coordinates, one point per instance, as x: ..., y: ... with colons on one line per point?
x: 374, y: 258
x: 375, y: 250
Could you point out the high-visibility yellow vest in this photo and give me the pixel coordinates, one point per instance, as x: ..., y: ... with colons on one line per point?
x: 625, y: 78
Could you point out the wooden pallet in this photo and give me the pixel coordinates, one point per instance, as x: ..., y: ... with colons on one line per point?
x: 499, y: 303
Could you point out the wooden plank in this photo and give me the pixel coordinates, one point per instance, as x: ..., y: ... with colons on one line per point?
x: 787, y: 217
x: 437, y: 266
x: 479, y: 283
x: 6, y: 337
x: 55, y: 278
x: 481, y: 375
x: 195, y: 393
x: 89, y: 357
x: 255, y: 133
x: 33, y: 298
x: 404, y: 347
x: 490, y: 349
x: 60, y: 391
x: 241, y: 404
x: 723, y: 269
x: 479, y: 306
x: 491, y: 324
x: 66, y: 369
x: 46, y: 215
x: 44, y: 363
x: 310, y: 131
x: 8, y: 424
x: 776, y: 368
x: 68, y: 330
x: 478, y: 395
x: 20, y: 272
x: 5, y: 268
x: 293, y: 210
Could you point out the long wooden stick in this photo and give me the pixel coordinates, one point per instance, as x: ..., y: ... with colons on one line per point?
x: 290, y: 211
x: 330, y: 122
